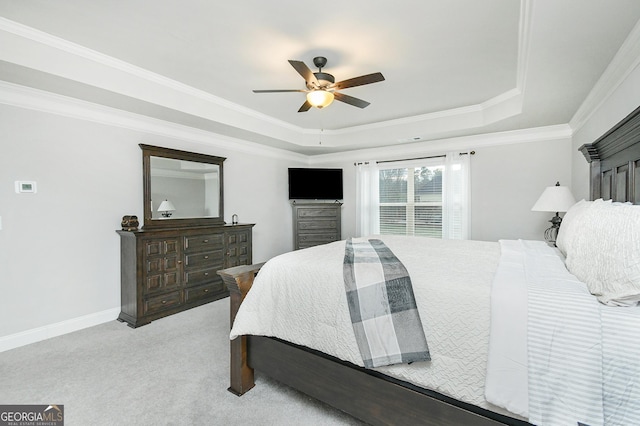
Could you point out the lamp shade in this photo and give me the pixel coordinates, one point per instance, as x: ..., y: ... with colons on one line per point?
x: 319, y: 98
x: 166, y: 206
x: 554, y: 199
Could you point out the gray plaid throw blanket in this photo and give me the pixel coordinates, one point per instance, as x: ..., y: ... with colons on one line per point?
x: 383, y: 309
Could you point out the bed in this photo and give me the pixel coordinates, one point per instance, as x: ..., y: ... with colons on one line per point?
x: 482, y: 382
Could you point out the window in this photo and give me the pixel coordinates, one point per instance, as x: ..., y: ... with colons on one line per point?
x: 410, y: 201
x: 425, y: 197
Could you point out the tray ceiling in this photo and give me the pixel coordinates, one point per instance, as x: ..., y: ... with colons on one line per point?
x: 452, y: 68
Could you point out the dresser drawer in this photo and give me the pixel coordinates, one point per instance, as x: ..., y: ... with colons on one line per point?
x: 203, y: 242
x: 162, y: 302
x: 310, y: 212
x: 161, y: 282
x: 202, y: 276
x: 317, y: 225
x: 161, y: 247
x: 203, y: 259
x: 238, y: 237
x: 203, y: 292
x: 161, y: 272
x: 307, y: 240
x: 161, y: 264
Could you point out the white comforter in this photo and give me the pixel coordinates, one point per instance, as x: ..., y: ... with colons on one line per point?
x: 300, y: 297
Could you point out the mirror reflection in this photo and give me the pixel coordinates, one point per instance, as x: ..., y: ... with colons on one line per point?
x: 184, y: 189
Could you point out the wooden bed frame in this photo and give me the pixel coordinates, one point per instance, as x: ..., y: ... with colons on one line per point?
x: 614, y: 161
x: 381, y: 400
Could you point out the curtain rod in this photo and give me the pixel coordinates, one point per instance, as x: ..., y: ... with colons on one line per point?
x: 409, y: 159
x: 416, y: 158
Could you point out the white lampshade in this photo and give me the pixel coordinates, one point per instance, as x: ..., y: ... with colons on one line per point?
x: 319, y: 98
x: 166, y: 206
x: 554, y: 199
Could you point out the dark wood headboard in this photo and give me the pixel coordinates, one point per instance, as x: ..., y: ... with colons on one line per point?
x: 615, y: 162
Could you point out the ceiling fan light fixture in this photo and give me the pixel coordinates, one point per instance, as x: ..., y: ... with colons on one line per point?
x: 320, y: 98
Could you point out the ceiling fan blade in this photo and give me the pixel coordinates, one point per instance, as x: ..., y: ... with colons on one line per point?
x: 304, y: 71
x: 350, y: 100
x: 359, y: 81
x: 306, y: 106
x: 278, y: 91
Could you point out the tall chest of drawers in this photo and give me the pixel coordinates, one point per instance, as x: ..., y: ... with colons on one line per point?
x: 170, y: 270
x: 316, y: 223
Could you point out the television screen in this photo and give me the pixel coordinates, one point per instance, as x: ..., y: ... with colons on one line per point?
x: 315, y: 184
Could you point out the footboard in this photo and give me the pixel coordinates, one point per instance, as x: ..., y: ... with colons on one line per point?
x: 239, y: 280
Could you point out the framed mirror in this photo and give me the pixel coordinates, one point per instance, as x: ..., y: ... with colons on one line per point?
x: 181, y: 188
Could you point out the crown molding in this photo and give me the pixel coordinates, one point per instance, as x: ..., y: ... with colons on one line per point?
x: 67, y: 46
x: 144, y: 85
x: 43, y: 101
x: 47, y: 102
x: 532, y: 135
x: 524, y: 42
x: 623, y: 64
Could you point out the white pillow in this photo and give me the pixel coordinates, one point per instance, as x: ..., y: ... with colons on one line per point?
x: 605, y: 252
x: 571, y: 225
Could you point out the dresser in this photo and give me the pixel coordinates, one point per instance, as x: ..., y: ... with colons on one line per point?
x: 169, y: 270
x: 316, y: 223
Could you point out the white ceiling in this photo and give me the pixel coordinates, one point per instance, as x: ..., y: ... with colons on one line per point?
x: 452, y: 68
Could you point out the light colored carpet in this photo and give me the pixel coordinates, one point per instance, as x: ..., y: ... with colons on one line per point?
x: 173, y: 371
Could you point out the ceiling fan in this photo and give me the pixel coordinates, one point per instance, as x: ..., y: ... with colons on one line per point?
x: 322, y: 88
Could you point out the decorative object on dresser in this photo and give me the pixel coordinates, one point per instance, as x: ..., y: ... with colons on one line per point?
x: 129, y: 223
x: 170, y: 265
x: 316, y: 223
x: 554, y: 199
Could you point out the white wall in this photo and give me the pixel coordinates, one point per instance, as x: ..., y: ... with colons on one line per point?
x: 59, y: 252
x: 506, y: 180
x: 620, y: 103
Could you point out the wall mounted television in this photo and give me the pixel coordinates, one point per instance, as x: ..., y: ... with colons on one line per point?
x: 315, y: 184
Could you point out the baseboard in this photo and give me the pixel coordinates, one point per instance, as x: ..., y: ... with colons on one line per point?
x: 34, y: 335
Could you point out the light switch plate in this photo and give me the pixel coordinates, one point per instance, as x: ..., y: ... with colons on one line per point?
x: 25, y: 186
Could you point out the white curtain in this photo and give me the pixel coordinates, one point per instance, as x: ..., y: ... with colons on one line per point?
x: 455, y: 197
x: 367, y: 199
